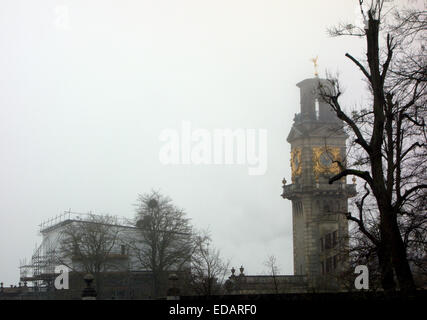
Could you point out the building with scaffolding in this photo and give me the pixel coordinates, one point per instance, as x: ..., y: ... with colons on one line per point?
x: 40, y: 270
x: 125, y: 276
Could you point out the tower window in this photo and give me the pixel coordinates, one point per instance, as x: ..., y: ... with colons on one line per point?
x: 326, y: 208
x: 334, y: 239
x: 317, y: 109
x: 328, y: 265
x: 335, y: 262
x: 328, y: 241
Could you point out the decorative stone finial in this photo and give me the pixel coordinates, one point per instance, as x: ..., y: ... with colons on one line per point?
x: 89, y: 293
x: 173, y: 277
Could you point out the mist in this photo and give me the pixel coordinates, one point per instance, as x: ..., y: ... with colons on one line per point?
x: 87, y: 88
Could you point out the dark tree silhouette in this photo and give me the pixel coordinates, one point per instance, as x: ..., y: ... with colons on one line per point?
x: 208, y: 269
x: 88, y: 246
x: 165, y: 242
x: 388, y: 136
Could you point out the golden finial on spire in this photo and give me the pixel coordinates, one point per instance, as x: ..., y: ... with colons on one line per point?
x: 314, y: 60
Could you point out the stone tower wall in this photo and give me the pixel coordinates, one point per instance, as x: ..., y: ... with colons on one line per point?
x: 317, y: 206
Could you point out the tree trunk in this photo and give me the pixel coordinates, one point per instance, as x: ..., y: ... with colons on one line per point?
x: 384, y: 259
x: 395, y: 250
x: 400, y: 261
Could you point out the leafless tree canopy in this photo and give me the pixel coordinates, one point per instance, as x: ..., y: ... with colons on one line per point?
x: 89, y: 245
x: 166, y: 236
x: 388, y: 147
x: 208, y: 269
x: 273, y: 270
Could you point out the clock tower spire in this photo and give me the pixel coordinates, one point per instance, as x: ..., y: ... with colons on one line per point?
x: 320, y: 229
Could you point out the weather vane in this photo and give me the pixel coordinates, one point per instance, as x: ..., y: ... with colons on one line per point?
x: 314, y: 60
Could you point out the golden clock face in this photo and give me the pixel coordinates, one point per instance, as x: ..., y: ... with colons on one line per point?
x: 296, y: 162
x: 323, y: 161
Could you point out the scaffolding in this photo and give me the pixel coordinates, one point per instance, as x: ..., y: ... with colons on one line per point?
x: 41, y: 269
x: 69, y: 216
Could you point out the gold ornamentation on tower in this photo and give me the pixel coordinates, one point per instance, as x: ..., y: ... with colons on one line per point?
x: 323, y: 161
x: 296, y: 162
x: 316, y: 71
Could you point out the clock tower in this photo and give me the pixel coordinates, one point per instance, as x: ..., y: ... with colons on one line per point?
x: 320, y: 229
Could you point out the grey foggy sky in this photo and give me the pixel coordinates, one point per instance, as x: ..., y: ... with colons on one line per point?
x: 83, y: 99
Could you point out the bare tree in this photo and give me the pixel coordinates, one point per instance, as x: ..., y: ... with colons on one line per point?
x: 413, y: 228
x: 165, y: 241
x: 88, y: 246
x: 389, y: 135
x: 273, y: 270
x: 362, y: 252
x: 208, y: 270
